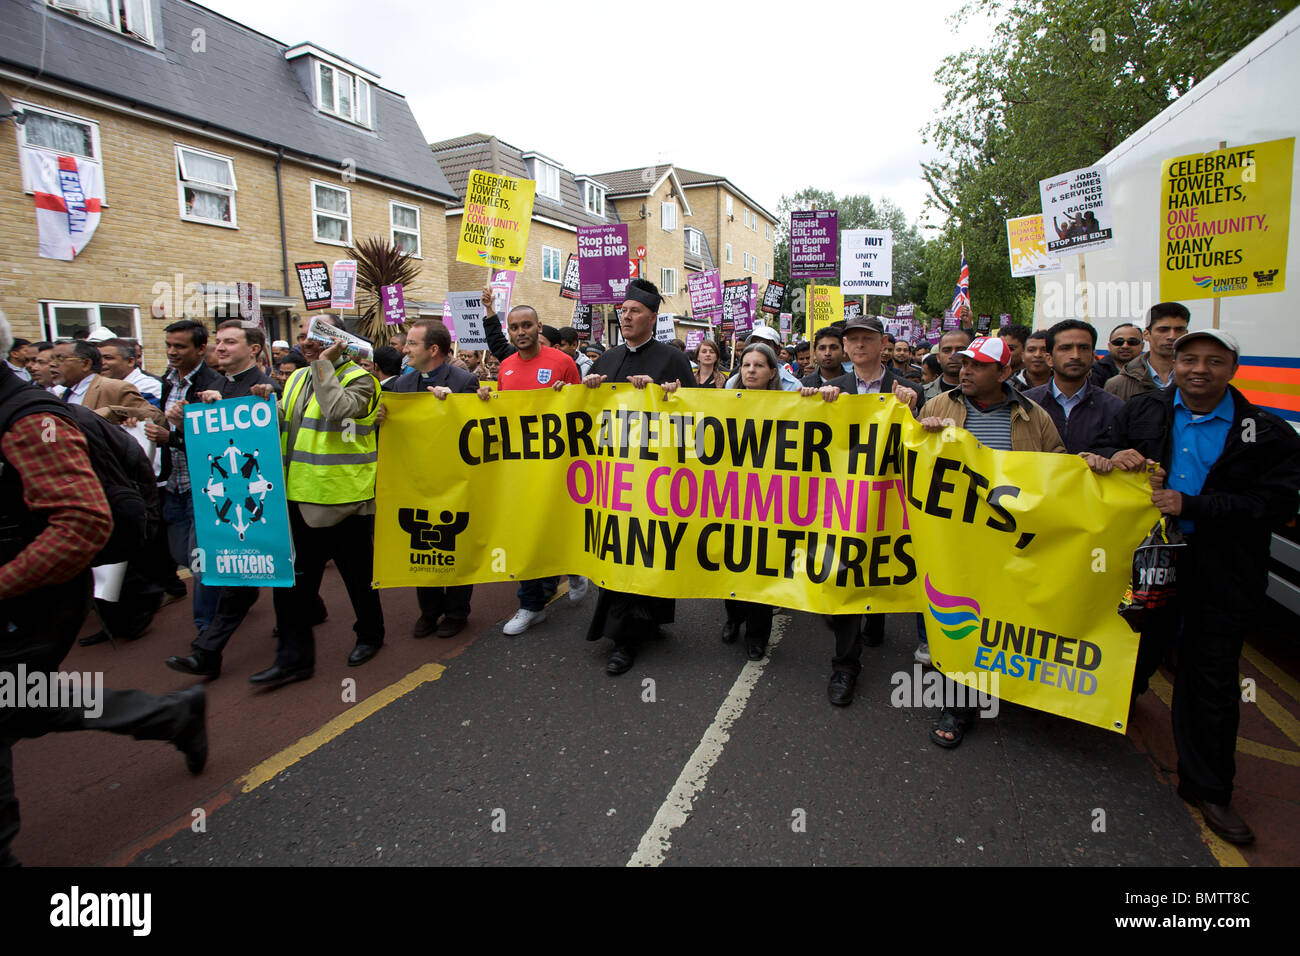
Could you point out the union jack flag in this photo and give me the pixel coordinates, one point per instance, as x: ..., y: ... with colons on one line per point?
x: 961, y: 295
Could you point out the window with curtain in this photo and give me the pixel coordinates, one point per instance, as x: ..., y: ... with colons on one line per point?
x: 58, y: 133
x: 406, y: 227
x: 332, y: 214
x: 207, y: 186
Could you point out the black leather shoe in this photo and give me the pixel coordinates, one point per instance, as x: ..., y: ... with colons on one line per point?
x: 1224, y: 821
x: 362, y: 653
x: 449, y: 628
x: 730, y: 631
x: 621, y: 660
x: 198, y: 664
x: 90, y: 640
x: 277, y: 676
x: 754, y: 652
x: 424, y: 626
x: 192, y: 740
x: 840, y: 689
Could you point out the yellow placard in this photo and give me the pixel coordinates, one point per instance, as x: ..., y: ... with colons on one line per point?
x: 494, y: 226
x: 1027, y: 247
x: 825, y: 305
x: 1017, y: 560
x: 1224, y: 220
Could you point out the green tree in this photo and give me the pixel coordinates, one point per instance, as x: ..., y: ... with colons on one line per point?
x: 1061, y: 84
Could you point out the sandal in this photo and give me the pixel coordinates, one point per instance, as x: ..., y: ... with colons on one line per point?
x: 952, y: 724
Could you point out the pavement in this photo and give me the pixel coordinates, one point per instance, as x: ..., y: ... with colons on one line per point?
x: 490, y: 750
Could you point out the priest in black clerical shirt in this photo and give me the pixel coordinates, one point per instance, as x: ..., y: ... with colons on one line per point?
x: 624, y: 618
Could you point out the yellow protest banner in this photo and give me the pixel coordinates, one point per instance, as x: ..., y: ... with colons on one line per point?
x: 494, y: 227
x: 1225, y: 217
x: 1018, y: 560
x: 825, y: 305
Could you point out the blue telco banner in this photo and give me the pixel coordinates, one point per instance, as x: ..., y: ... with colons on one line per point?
x: 241, y: 516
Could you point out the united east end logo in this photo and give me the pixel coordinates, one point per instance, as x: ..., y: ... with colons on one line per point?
x: 432, y: 545
x: 1265, y: 277
x: 1013, y: 649
x: 1230, y: 284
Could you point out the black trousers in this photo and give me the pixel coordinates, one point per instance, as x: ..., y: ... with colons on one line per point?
x: 232, y: 607
x: 757, y: 618
x: 452, y: 602
x: 41, y: 627
x: 1207, y: 697
x: 848, y: 630
x: 351, y: 545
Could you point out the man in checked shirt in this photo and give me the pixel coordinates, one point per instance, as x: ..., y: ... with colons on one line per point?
x: 54, y: 519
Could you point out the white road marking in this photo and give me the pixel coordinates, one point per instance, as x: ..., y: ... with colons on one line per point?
x: 677, y: 806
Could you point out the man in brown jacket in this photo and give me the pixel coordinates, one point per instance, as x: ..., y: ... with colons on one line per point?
x: 81, y: 365
x: 1154, y: 368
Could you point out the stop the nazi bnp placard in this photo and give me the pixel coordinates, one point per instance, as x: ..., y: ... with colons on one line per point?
x: 867, y: 261
x: 1225, y: 219
x: 828, y: 507
x: 494, y: 226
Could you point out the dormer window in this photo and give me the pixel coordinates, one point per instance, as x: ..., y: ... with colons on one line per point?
x: 594, y: 199
x: 342, y: 94
x: 125, y: 16
x: 546, y: 174
x: 693, y: 240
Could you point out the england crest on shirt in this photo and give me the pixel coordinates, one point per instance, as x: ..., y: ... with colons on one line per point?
x: 543, y: 376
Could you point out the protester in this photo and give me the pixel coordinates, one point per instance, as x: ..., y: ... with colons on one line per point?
x: 765, y: 333
x: 444, y: 611
x: 901, y: 361
x: 1125, y: 343
x: 950, y: 347
x: 1154, y: 369
x: 1037, y: 368
x: 707, y: 372
x: 930, y: 369
x: 51, y: 495
x: 22, y: 354
x: 1016, y: 336
x: 594, y: 351
x: 1229, y: 472
x: 489, y: 368
x: 81, y: 367
x: 759, y: 369
x: 1079, y: 408
x: 1000, y: 418
x: 187, y: 375
x: 239, y: 346
x: 828, y: 353
x: 330, y: 485
x: 291, y: 362
x: 628, y: 619
x: 43, y: 367
x: 121, y: 361
x: 864, y: 343
x: 388, y: 365
x: 569, y: 346
x: 802, y: 359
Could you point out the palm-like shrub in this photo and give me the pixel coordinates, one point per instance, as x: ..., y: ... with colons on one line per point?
x: 380, y: 263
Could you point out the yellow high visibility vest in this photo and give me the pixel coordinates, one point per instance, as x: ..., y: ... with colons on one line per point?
x: 330, y: 463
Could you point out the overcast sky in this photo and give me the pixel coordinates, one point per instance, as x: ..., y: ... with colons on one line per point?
x: 840, y: 91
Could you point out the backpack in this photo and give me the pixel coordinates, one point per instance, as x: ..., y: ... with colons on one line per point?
x: 119, y: 463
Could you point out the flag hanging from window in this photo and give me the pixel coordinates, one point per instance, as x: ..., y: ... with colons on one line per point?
x: 68, y: 195
x: 961, y: 295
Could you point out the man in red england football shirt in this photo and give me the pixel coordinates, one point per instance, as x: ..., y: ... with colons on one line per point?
x: 533, y: 366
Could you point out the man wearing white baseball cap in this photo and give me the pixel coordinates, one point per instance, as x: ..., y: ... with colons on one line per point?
x: 1230, y: 474
x: 1000, y: 418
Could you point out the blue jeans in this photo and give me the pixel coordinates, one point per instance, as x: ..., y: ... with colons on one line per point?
x: 533, y: 595
x: 178, y: 515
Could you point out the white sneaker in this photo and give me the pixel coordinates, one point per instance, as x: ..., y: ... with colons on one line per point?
x: 523, y: 620
x: 577, y: 588
x: 922, y: 654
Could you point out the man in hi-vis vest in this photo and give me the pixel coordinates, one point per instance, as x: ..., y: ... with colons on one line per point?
x: 327, y: 434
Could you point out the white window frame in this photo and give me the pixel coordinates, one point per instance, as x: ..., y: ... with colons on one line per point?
x: 315, y: 211
x: 746, y: 218
x: 549, y: 254
x: 183, y: 180
x: 767, y: 270
x: 49, y: 325
x: 731, y: 208
x: 81, y: 10
x: 360, y: 105
x: 694, y: 241
x: 92, y: 125
x: 668, y: 216
x: 594, y: 199
x: 667, y: 281
x: 393, y: 228
x: 729, y: 252
x: 767, y: 230
x: 547, y: 177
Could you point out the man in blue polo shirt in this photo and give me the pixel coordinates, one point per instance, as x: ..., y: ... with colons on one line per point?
x: 1230, y: 472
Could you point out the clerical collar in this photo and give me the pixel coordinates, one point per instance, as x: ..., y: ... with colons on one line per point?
x: 637, y: 348
x: 241, y: 375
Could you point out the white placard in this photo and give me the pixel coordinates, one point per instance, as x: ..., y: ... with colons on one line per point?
x: 867, y: 261
x: 1075, y: 214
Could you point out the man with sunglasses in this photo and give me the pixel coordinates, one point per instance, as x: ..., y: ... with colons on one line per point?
x: 1125, y: 343
x: 1154, y: 369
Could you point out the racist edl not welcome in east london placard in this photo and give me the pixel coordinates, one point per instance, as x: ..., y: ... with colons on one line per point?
x: 1226, y: 215
x: 1076, y: 204
x: 814, y: 242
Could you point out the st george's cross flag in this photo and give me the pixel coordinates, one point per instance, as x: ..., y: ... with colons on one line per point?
x: 961, y: 295
x: 68, y: 195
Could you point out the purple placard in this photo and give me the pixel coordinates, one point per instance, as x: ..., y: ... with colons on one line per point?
x: 602, y: 264
x: 448, y: 320
x: 1004, y: 319
x: 736, y: 305
x: 394, y: 304
x: 814, y: 244
x: 693, y: 339
x: 705, y: 290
